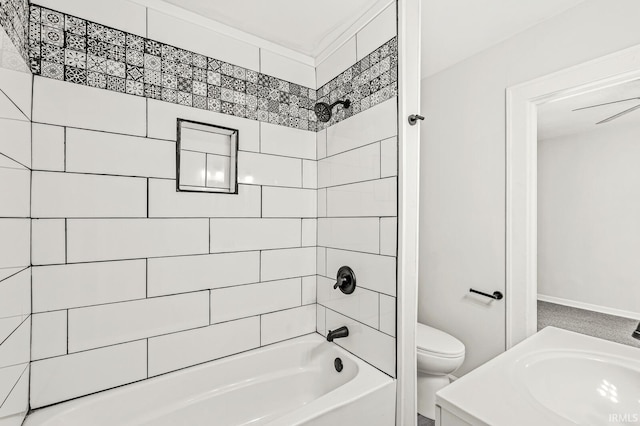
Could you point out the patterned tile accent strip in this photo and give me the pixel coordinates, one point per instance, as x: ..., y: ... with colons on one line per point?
x: 14, y: 19
x: 65, y: 47
x: 68, y: 48
x: 368, y: 82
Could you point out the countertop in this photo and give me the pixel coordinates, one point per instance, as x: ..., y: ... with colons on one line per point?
x: 494, y: 395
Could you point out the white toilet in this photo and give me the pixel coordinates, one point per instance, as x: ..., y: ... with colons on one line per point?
x: 439, y: 354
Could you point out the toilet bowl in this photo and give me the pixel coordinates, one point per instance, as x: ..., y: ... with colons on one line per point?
x: 439, y: 354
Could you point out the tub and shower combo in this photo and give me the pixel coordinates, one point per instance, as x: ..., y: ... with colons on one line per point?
x: 289, y: 383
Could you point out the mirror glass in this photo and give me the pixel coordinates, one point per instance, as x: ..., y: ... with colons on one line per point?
x: 206, y: 158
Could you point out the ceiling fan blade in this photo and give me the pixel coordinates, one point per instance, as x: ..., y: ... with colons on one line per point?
x: 606, y: 103
x: 618, y: 115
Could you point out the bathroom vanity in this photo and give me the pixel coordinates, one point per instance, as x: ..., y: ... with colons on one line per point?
x: 555, y: 377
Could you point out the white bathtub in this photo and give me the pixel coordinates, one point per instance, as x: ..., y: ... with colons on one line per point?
x: 288, y: 383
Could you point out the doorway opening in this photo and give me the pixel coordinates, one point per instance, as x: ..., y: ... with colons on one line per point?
x: 524, y: 104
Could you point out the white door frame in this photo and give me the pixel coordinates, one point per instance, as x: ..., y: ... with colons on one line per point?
x: 408, y: 203
x: 521, y: 173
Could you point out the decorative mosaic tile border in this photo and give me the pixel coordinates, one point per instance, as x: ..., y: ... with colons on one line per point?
x: 367, y: 83
x: 65, y: 47
x: 14, y: 20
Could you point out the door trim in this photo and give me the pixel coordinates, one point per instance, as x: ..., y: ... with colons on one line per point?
x: 408, y: 204
x: 522, y: 102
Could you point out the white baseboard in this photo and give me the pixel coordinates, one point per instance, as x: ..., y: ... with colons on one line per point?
x: 589, y: 307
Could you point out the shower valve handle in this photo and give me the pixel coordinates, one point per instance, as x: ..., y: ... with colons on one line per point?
x: 345, y: 280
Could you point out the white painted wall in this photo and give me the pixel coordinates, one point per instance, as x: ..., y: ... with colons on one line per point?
x: 588, y: 210
x: 462, y: 228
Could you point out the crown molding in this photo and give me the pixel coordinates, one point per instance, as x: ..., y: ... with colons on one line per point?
x: 327, y: 46
x: 334, y: 41
x: 186, y: 15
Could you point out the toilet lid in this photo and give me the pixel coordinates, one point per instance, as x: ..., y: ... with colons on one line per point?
x: 432, y: 340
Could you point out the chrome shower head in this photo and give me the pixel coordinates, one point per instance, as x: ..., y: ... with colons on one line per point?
x: 323, y: 109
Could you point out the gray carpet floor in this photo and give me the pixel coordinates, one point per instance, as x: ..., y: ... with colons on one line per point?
x: 424, y: 421
x: 604, y: 326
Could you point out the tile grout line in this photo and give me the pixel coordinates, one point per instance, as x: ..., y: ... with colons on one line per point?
x: 146, y: 278
x: 66, y: 242
x: 177, y: 369
x: 64, y: 135
x: 379, y: 235
x: 148, y: 196
x: 190, y: 291
x: 174, y: 256
x: 67, y: 331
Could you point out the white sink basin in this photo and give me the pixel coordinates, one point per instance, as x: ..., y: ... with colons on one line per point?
x: 586, y: 388
x: 553, y: 378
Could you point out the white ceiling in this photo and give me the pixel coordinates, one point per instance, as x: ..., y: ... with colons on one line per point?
x: 453, y: 30
x: 305, y: 26
x: 558, y: 118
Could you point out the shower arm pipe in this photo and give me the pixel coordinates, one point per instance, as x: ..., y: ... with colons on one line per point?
x: 346, y: 103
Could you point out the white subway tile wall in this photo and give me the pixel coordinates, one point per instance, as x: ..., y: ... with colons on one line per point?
x: 171, y: 279
x: 90, y: 151
x: 278, y: 326
x: 15, y: 222
x: 357, y: 196
x: 250, y: 234
x: 179, y: 350
x: 47, y: 147
x: 15, y: 296
x: 14, y: 192
x: 288, y: 202
x: 248, y: 300
x: 132, y: 279
x: 16, y: 405
x: 15, y: 349
x: 61, y: 287
x: 9, y: 376
x: 48, y: 334
x: 14, y: 145
x: 70, y: 376
x: 16, y: 78
x: 357, y: 222
x: 378, y: 348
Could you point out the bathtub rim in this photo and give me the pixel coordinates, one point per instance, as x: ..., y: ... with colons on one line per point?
x: 367, y: 380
